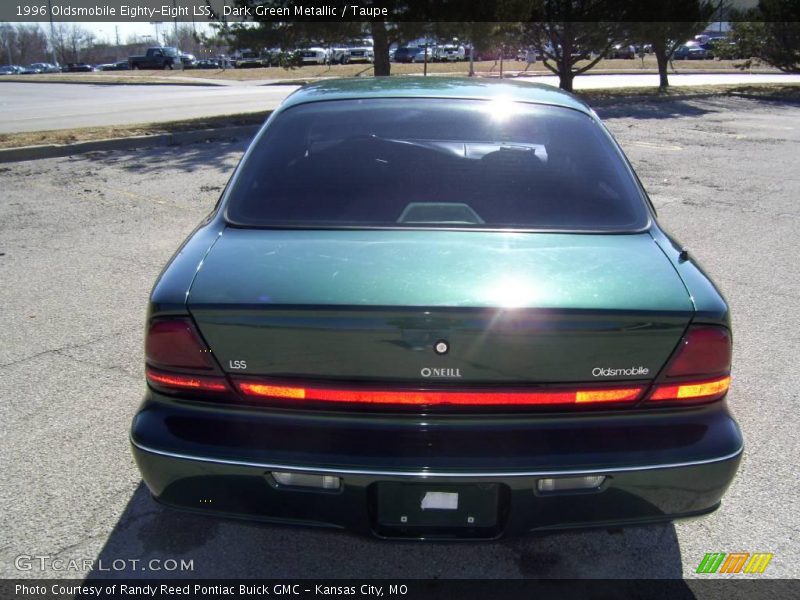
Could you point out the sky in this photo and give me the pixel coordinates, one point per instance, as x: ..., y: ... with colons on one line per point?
x: 107, y: 32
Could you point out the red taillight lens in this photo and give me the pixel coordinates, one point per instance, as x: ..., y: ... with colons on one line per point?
x: 173, y: 343
x: 705, y: 350
x: 184, y: 381
x: 700, y: 369
x: 179, y: 361
x: 439, y: 398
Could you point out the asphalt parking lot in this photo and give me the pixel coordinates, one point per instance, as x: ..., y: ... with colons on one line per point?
x: 82, y: 240
x: 43, y: 106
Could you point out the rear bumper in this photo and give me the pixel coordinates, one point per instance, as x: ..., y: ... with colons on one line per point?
x: 218, y: 461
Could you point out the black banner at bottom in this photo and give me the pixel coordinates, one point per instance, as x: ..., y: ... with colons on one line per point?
x: 410, y: 589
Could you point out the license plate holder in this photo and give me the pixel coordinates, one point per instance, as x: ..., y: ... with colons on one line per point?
x: 471, y: 505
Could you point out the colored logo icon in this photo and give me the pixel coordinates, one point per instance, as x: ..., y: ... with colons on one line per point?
x: 734, y: 562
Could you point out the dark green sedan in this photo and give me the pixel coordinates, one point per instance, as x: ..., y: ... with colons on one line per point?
x: 436, y: 308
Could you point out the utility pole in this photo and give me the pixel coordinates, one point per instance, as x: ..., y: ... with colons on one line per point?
x: 52, y: 33
x: 225, y: 29
x: 158, y: 38
x: 175, y: 21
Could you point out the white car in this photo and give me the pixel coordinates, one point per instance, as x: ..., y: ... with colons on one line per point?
x: 362, y: 52
x: 430, y: 51
x: 529, y: 56
x: 338, y: 55
x: 450, y: 53
x: 313, y: 56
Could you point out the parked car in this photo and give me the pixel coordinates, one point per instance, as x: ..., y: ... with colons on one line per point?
x: 207, y: 63
x: 11, y: 70
x: 122, y: 65
x: 361, y: 53
x: 247, y: 59
x: 449, y: 53
x: 275, y: 57
x: 77, y: 68
x: 30, y: 70
x: 529, y: 56
x: 625, y: 51
x: 692, y: 52
x: 158, y: 57
x: 188, y: 60
x: 406, y: 54
x: 338, y: 55
x: 45, y: 68
x: 313, y: 56
x: 436, y: 308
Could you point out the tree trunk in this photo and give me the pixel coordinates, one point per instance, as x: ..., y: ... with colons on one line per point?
x: 380, y: 40
x: 565, y: 74
x: 662, y: 60
x: 472, y: 59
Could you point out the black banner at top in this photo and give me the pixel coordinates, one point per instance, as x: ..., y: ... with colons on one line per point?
x: 232, y: 11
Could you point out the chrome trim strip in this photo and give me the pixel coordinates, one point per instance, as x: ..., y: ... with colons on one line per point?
x: 425, y: 474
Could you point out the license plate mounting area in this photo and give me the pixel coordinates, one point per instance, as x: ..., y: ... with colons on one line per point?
x: 432, y: 509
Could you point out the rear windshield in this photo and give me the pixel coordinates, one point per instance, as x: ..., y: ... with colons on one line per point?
x: 435, y: 163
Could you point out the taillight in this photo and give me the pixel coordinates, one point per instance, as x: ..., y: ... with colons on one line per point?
x: 700, y: 369
x: 174, y: 343
x: 375, y: 396
x: 178, y: 360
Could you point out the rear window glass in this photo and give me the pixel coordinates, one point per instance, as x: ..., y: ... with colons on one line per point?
x: 435, y: 163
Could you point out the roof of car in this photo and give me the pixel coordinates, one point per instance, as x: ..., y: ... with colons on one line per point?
x: 435, y: 87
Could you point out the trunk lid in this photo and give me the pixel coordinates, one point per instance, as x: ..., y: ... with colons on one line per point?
x: 371, y: 305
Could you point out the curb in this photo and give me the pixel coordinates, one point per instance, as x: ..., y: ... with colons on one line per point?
x: 127, y: 143
x: 66, y: 82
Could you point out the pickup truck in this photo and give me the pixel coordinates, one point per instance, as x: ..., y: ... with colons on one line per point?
x: 160, y: 57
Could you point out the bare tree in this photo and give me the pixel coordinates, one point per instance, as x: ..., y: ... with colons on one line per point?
x: 71, y: 41
x: 58, y: 41
x: 8, y: 43
x: 186, y: 39
x: 31, y: 44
